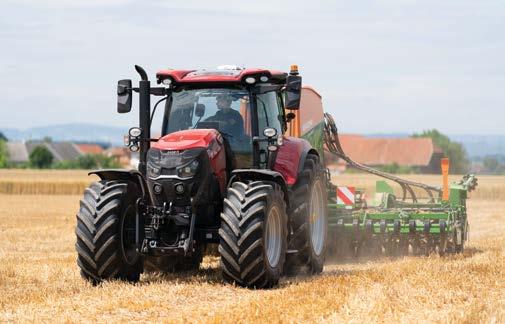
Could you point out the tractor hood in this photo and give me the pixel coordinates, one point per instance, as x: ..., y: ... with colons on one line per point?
x: 186, y: 139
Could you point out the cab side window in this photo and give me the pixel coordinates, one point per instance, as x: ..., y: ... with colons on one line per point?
x: 269, y: 112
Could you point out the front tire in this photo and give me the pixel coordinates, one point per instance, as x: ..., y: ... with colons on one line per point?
x: 253, y: 234
x: 105, y: 232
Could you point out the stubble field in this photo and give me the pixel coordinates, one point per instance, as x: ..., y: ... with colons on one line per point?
x: 39, y: 279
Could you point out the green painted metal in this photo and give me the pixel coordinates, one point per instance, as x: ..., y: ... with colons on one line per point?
x: 394, y: 224
x: 315, y: 137
x: 383, y: 186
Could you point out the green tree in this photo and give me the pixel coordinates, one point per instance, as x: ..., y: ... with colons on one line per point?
x: 453, y: 150
x: 4, y: 154
x: 41, y: 157
x: 3, y: 137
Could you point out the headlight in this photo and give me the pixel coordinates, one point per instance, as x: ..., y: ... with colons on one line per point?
x: 189, y: 170
x: 269, y: 132
x: 153, y: 171
x: 135, y: 132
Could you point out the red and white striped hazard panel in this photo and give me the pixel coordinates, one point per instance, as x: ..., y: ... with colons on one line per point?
x: 345, y: 196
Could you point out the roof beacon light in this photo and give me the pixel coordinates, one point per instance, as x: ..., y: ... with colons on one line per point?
x: 294, y: 69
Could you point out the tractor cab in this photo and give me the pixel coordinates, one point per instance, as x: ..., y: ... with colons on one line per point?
x: 239, y: 103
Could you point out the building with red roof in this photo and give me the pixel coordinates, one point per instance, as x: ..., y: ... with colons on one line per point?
x: 419, y: 153
x: 90, y: 148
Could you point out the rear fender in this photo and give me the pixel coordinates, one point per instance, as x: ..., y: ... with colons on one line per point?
x: 125, y: 175
x: 244, y: 175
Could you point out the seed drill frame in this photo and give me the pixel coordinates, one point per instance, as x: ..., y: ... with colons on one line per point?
x: 397, y: 226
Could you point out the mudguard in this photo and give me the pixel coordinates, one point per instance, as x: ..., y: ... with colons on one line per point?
x: 291, y: 158
x: 260, y: 174
x: 126, y: 175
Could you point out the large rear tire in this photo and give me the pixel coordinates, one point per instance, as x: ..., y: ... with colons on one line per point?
x: 105, y: 232
x: 309, y: 219
x: 253, y: 234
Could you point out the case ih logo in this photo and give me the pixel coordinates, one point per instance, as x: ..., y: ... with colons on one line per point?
x: 345, y: 196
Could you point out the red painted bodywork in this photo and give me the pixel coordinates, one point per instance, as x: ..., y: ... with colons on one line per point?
x: 288, y: 158
x: 224, y: 76
x: 209, y: 139
x: 186, y: 139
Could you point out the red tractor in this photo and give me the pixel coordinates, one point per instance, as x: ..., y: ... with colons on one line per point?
x: 222, y: 172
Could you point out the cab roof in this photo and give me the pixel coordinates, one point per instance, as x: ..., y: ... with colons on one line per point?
x: 224, y: 74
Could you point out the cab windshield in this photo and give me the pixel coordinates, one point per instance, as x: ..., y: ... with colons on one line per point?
x: 224, y: 109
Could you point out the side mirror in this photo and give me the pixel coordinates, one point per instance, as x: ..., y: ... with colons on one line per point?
x: 293, y: 92
x: 124, y: 96
x: 199, y: 110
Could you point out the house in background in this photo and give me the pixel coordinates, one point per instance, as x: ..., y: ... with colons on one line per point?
x: 121, y: 155
x: 418, y: 153
x: 19, y: 152
x: 89, y: 148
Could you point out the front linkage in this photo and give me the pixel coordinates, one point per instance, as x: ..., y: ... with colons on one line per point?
x: 155, y: 219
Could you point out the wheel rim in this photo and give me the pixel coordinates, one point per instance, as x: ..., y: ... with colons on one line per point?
x: 273, y: 239
x: 128, y: 247
x: 317, y: 218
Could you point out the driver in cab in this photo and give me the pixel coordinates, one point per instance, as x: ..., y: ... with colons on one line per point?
x: 230, y: 120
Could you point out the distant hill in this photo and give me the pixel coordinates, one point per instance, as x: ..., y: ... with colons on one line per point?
x: 69, y: 132
x: 475, y: 145
x: 482, y: 145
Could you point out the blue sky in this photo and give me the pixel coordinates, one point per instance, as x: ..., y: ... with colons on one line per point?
x: 381, y: 66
